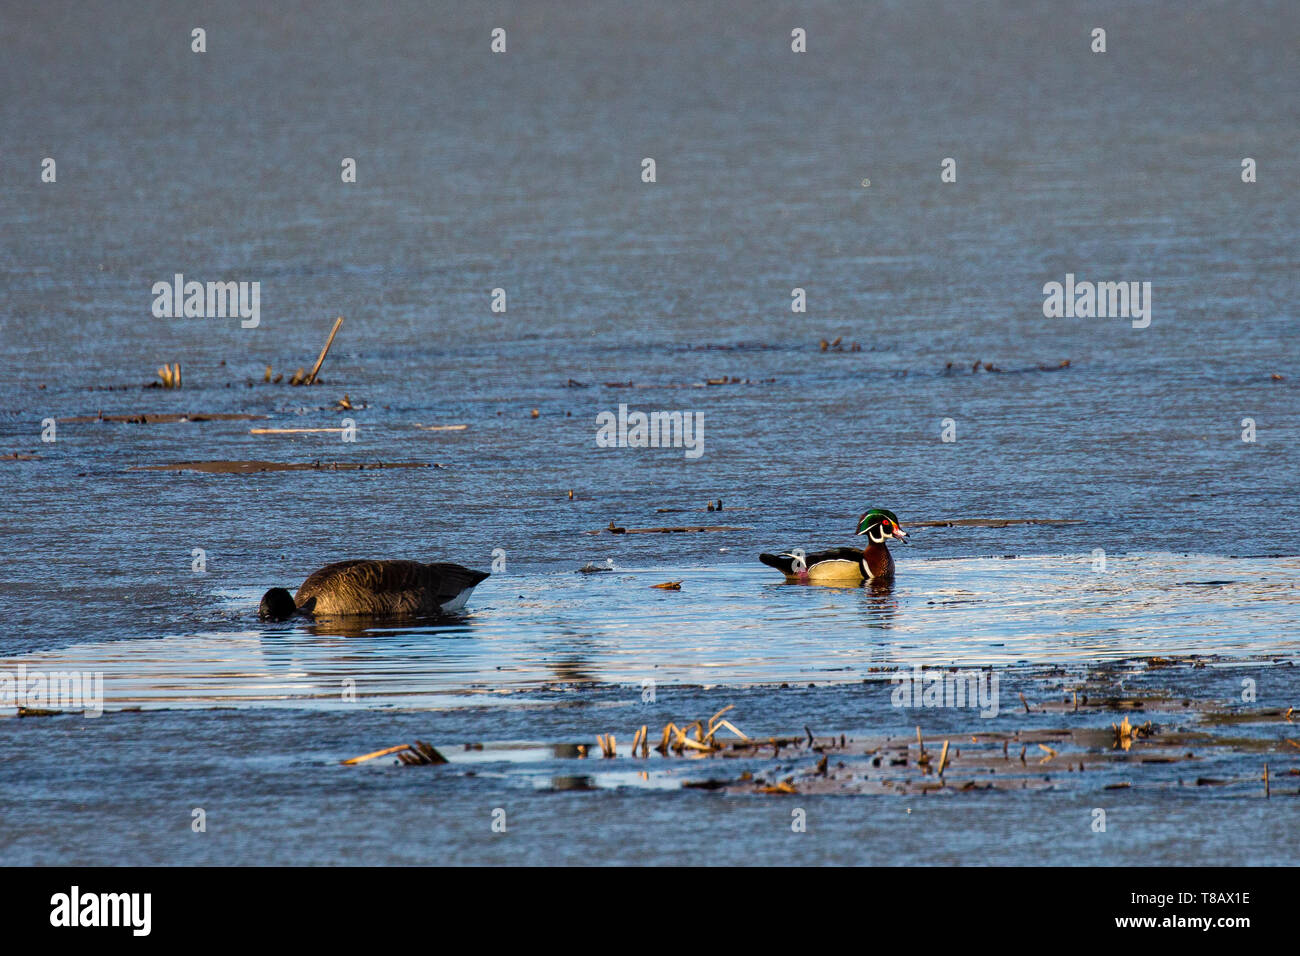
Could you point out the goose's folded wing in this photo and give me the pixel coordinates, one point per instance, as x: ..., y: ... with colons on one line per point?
x: 449, y: 580
x: 384, y: 587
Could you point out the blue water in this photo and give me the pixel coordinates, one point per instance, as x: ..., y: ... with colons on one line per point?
x: 522, y: 171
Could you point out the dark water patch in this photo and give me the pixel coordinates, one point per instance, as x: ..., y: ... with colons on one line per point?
x: 163, y: 418
x: 990, y: 522
x: 256, y: 467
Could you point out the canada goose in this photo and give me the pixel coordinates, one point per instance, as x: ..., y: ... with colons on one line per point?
x: 362, y: 588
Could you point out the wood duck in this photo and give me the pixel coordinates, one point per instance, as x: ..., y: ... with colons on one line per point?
x: 845, y: 565
x: 380, y: 589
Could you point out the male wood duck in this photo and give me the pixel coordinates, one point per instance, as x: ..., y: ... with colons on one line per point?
x: 846, y: 565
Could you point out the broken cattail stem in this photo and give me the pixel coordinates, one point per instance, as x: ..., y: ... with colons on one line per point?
x: 714, y: 719
x: 378, y: 753
x: 943, y: 758
x: 696, y: 726
x: 730, y: 726
x: 320, y: 360
x: 426, y: 753
x: 668, y: 732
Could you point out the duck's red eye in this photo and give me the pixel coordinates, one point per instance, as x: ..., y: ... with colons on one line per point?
x: 886, y: 524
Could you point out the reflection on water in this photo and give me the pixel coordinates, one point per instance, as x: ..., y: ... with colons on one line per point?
x: 362, y: 627
x: 728, y: 625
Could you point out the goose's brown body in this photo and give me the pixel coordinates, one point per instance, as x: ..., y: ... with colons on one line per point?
x: 386, y: 589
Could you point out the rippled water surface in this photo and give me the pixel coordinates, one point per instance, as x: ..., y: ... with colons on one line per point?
x: 522, y: 172
x: 731, y: 625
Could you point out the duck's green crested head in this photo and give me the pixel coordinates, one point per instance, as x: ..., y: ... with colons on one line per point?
x: 879, y: 524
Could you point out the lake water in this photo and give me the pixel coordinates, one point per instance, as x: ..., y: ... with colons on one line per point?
x: 522, y: 172
x: 728, y: 626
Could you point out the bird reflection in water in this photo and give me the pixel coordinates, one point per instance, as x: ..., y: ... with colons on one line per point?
x: 877, y: 597
x: 881, y: 604
x: 443, y: 626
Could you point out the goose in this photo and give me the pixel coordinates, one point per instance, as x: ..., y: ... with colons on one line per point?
x: 362, y: 588
x: 846, y: 565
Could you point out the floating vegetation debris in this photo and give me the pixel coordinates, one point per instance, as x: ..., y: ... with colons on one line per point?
x: 420, y: 754
x: 255, y: 467
x: 838, y: 346
x: 414, y: 754
x: 293, y: 431
x: 615, y: 528
x: 709, y: 506
x: 170, y: 375
x: 1126, y: 733
x: 697, y: 737
x: 162, y: 418
x: 707, y: 383
x: 302, y: 376
x: 1090, y: 754
x: 990, y: 367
